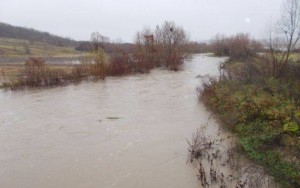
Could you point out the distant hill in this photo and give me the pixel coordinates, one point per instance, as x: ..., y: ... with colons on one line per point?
x: 21, y: 41
x: 32, y: 35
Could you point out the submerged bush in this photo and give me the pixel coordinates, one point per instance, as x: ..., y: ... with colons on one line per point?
x: 98, y: 69
x: 36, y: 73
x: 165, y: 46
x: 119, y: 63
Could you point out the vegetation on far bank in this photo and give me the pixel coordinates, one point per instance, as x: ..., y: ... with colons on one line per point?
x: 166, y: 46
x: 20, y: 42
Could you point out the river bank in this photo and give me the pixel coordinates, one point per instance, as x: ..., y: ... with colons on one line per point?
x: 262, y: 111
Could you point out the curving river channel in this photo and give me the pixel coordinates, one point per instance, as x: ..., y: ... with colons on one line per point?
x: 122, y: 132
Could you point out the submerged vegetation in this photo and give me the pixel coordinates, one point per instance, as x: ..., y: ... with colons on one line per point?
x: 220, y: 165
x: 164, y: 47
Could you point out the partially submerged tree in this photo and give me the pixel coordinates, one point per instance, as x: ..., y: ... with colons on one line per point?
x: 98, y: 40
x: 145, y: 52
x: 101, y: 60
x: 173, y: 39
x: 165, y: 46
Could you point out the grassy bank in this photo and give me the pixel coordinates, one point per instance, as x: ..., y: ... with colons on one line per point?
x: 263, y: 111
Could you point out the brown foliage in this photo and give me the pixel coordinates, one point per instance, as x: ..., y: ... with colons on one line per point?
x: 239, y: 46
x: 37, y: 73
x: 166, y: 47
x: 163, y: 47
x: 119, y: 64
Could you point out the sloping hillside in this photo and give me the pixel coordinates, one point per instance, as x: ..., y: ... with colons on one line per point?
x: 18, y: 47
x: 24, y: 42
x: 32, y: 35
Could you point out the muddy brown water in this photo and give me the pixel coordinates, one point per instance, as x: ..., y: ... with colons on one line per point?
x: 122, y: 132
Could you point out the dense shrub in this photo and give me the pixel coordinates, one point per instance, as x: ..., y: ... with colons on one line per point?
x: 166, y: 46
x: 239, y: 46
x: 99, y: 67
x: 119, y: 63
x: 36, y: 73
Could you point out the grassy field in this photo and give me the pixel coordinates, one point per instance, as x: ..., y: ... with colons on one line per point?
x: 15, y: 51
x: 20, y: 48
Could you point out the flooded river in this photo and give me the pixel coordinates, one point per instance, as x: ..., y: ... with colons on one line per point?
x: 122, y: 132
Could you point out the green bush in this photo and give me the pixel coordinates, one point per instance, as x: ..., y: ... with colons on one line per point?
x: 291, y: 127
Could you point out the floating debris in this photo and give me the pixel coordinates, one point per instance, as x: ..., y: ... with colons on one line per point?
x: 113, y: 118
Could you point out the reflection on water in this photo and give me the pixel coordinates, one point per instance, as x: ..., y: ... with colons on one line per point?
x: 122, y: 132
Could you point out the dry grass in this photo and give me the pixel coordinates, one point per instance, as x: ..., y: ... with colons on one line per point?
x: 36, y: 73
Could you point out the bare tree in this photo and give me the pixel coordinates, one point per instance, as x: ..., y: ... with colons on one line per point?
x: 98, y: 40
x: 239, y: 46
x: 219, y: 45
x: 165, y: 46
x: 173, y: 40
x: 287, y: 35
x: 99, y: 67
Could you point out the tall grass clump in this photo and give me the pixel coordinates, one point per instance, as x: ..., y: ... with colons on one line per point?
x: 99, y: 67
x: 38, y: 74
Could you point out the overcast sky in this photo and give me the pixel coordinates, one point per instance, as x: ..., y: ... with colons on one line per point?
x: 120, y: 19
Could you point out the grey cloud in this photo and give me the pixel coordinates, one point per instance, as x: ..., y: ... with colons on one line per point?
x: 120, y: 19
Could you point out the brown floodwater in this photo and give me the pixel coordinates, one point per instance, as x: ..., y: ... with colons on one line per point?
x: 121, y: 132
